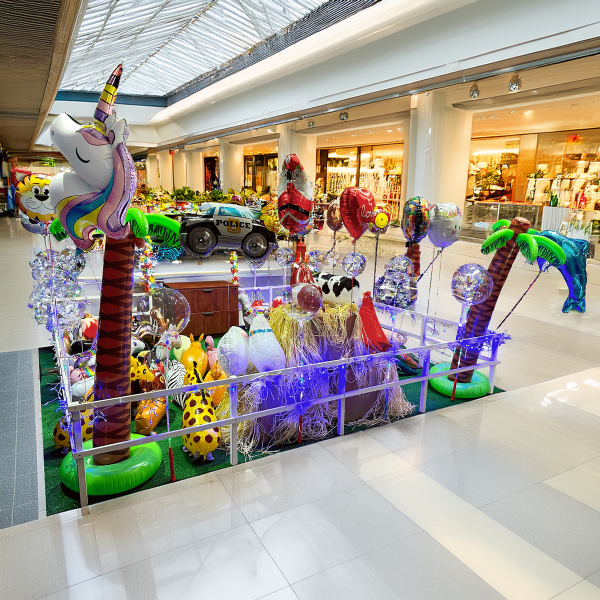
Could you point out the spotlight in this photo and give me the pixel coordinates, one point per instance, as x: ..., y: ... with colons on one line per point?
x: 514, y: 84
x: 474, y: 91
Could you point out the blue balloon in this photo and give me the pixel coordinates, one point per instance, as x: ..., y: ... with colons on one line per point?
x: 573, y: 270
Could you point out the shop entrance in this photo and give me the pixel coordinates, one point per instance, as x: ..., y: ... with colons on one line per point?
x: 260, y: 173
x: 211, y: 173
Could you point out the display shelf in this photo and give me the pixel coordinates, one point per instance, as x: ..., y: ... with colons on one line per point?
x: 480, y: 215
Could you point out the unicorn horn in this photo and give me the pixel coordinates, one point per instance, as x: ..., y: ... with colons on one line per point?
x: 108, y: 97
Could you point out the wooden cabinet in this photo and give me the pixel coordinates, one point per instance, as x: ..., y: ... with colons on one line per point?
x: 213, y: 306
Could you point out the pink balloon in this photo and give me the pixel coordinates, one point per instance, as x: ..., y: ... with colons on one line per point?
x: 357, y: 206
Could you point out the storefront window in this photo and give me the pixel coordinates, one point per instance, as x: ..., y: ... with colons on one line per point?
x: 341, y: 169
x: 381, y: 170
x: 493, y: 168
x: 568, y: 170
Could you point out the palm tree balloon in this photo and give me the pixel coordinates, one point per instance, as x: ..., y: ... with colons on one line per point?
x: 509, y: 238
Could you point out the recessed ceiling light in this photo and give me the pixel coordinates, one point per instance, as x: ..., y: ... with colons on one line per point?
x: 512, y: 112
x: 574, y: 104
x: 535, y: 91
x: 514, y: 85
x: 389, y: 131
x: 213, y: 102
x: 528, y: 112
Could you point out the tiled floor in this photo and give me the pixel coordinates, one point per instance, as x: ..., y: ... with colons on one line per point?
x: 496, y: 498
x: 18, y: 448
x: 486, y: 500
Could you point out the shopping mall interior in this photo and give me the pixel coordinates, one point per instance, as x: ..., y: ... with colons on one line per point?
x: 325, y: 277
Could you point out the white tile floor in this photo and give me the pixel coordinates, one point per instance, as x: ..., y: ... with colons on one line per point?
x: 497, y: 498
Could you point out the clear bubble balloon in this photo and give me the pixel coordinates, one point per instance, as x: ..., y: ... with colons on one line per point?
x: 307, y: 299
x: 399, y: 266
x: 332, y: 258
x: 354, y: 264
x: 444, y: 224
x: 164, y: 308
x: 400, y: 292
x: 284, y: 257
x: 471, y: 284
x: 315, y: 260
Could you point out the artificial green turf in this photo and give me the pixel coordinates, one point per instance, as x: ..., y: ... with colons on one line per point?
x: 59, y: 498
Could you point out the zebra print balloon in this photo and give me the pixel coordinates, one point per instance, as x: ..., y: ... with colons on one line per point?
x: 175, y: 380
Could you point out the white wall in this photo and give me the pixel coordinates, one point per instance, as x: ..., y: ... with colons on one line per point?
x: 231, y: 165
x: 165, y: 170
x: 180, y: 168
x: 152, y: 171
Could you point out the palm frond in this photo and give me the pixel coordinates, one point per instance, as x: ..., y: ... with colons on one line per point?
x: 496, y: 240
x: 499, y: 224
x: 550, y: 251
x: 532, y: 231
x: 528, y: 246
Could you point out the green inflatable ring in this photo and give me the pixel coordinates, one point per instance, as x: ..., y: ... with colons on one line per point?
x: 162, y: 230
x: 479, y: 386
x: 104, y: 480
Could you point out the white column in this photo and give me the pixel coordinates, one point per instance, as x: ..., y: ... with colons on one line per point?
x: 152, y: 171
x: 179, y: 168
x: 231, y: 165
x: 440, y: 141
x: 303, y: 146
x: 195, y: 171
x: 165, y: 170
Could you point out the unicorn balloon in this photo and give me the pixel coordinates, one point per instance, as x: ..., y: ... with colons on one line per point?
x: 97, y: 194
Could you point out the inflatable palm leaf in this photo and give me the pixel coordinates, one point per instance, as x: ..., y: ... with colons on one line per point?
x: 549, y: 251
x: 502, y: 223
x: 496, y: 240
x: 527, y: 246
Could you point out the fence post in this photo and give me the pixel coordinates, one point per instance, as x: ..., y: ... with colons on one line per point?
x: 233, y: 433
x: 426, y: 358
x: 79, y: 462
x: 341, y: 401
x: 494, y: 357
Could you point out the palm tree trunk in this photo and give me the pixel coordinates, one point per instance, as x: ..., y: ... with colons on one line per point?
x: 413, y: 251
x: 113, y: 358
x: 480, y: 315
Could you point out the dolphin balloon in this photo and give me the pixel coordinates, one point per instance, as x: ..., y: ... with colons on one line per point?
x: 573, y: 270
x: 97, y: 194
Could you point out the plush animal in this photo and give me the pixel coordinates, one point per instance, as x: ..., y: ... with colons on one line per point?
x: 175, y: 378
x: 198, y: 409
x: 218, y: 393
x: 161, y: 347
x: 211, y: 353
x: 338, y: 289
x: 263, y: 348
x: 195, y: 354
x: 151, y: 411
x: 233, y: 351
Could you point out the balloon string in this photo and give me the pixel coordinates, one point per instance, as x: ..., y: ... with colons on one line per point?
x: 439, y: 283
x: 519, y: 300
x: 427, y: 267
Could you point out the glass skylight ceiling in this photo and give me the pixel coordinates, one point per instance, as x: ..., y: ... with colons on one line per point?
x: 164, y: 44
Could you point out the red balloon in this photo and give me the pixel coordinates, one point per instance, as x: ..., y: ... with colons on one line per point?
x: 301, y: 275
x: 357, y: 206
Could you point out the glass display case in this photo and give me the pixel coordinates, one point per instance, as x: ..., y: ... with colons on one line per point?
x: 341, y: 169
x: 478, y: 216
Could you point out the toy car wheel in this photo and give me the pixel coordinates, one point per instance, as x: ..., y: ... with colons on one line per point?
x: 201, y: 240
x: 255, y: 245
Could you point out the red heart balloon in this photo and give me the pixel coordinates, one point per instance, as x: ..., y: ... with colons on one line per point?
x: 357, y: 206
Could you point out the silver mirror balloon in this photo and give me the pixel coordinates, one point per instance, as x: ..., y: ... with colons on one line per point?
x: 445, y: 224
x: 398, y: 287
x: 471, y: 284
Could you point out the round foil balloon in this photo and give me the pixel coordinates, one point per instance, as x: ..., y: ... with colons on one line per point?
x: 399, y: 266
x: 444, y: 224
x: 334, y: 216
x: 354, y: 264
x: 295, y: 195
x: 357, y: 206
x: 284, y: 257
x: 415, y: 219
x: 33, y: 198
x: 164, y: 308
x: 381, y: 221
x: 471, y: 284
x: 307, y: 300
